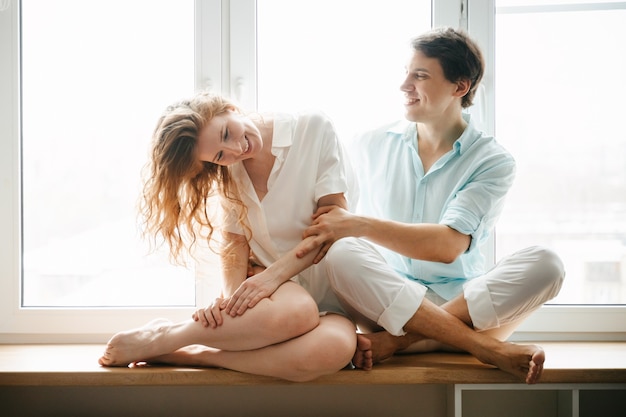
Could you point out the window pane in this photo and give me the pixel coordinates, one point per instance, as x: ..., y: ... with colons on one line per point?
x: 96, y: 76
x: 550, y: 4
x: 345, y: 58
x: 559, y: 110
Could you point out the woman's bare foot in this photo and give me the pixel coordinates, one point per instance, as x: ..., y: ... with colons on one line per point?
x: 193, y: 355
x: 134, y: 345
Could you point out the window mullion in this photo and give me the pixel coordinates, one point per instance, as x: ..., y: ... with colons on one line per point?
x: 208, y: 48
x: 9, y: 166
x: 243, y: 55
x: 447, y: 13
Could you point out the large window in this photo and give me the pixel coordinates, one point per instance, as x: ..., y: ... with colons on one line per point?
x: 82, y: 84
x: 559, y: 108
x: 94, y: 80
x: 343, y: 57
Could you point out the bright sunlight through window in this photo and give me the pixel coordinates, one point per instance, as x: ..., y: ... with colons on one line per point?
x: 96, y: 76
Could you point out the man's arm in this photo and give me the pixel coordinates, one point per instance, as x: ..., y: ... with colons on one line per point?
x: 263, y: 284
x: 429, y: 242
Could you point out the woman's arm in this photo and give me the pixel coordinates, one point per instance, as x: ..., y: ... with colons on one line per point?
x: 234, y: 255
x: 262, y: 285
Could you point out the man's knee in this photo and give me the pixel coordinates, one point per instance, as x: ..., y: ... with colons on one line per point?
x: 342, y: 260
x: 341, y: 249
x: 547, y: 268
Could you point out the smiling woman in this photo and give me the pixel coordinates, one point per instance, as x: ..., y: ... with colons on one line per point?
x: 239, y: 138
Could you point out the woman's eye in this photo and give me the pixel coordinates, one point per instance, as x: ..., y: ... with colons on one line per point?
x: 220, y: 154
x: 225, y: 135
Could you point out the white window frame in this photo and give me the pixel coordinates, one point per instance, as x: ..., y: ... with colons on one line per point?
x: 69, y: 325
x: 225, y: 61
x: 551, y: 322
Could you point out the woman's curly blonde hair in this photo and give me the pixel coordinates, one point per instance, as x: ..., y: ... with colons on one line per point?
x: 178, y: 185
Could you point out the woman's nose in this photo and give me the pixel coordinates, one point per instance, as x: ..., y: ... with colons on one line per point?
x: 235, y: 146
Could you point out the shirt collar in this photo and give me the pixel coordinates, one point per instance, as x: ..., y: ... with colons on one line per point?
x: 408, y: 131
x: 284, y: 125
x: 468, y: 137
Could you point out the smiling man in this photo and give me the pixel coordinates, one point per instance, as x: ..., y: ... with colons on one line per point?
x: 432, y: 187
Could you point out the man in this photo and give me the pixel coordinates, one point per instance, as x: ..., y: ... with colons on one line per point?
x: 432, y: 188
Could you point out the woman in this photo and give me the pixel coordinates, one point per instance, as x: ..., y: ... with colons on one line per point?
x: 270, y: 172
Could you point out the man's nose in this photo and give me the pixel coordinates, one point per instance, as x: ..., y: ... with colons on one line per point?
x: 406, y: 86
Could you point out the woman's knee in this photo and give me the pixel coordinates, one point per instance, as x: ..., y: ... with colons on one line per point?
x: 330, y: 349
x: 296, y: 312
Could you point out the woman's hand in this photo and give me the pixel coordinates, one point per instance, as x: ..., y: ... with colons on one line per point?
x: 250, y: 292
x: 211, y: 316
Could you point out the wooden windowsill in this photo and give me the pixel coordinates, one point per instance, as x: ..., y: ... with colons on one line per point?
x: 76, y: 365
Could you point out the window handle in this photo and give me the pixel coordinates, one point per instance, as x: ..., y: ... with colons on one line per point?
x: 207, y: 84
x: 239, y: 90
x: 481, y: 101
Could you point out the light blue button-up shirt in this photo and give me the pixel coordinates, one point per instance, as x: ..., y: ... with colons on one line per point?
x: 464, y: 190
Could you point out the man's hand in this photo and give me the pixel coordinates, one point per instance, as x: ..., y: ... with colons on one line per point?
x: 330, y: 223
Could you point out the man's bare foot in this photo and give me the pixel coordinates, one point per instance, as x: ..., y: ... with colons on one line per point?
x: 134, y: 345
x: 523, y: 361
x: 373, y: 348
x: 535, y: 369
x: 362, y: 358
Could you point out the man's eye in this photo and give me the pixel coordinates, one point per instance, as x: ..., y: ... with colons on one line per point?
x: 220, y: 154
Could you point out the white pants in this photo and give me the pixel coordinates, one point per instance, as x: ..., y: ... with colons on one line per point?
x: 316, y: 283
x: 374, y: 294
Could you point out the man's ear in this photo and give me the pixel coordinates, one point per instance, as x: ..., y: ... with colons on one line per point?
x: 462, y: 87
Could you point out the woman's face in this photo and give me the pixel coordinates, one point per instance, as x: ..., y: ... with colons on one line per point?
x: 228, y: 138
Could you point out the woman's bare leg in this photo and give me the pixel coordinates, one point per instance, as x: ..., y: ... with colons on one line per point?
x: 322, y: 351
x: 288, y: 313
